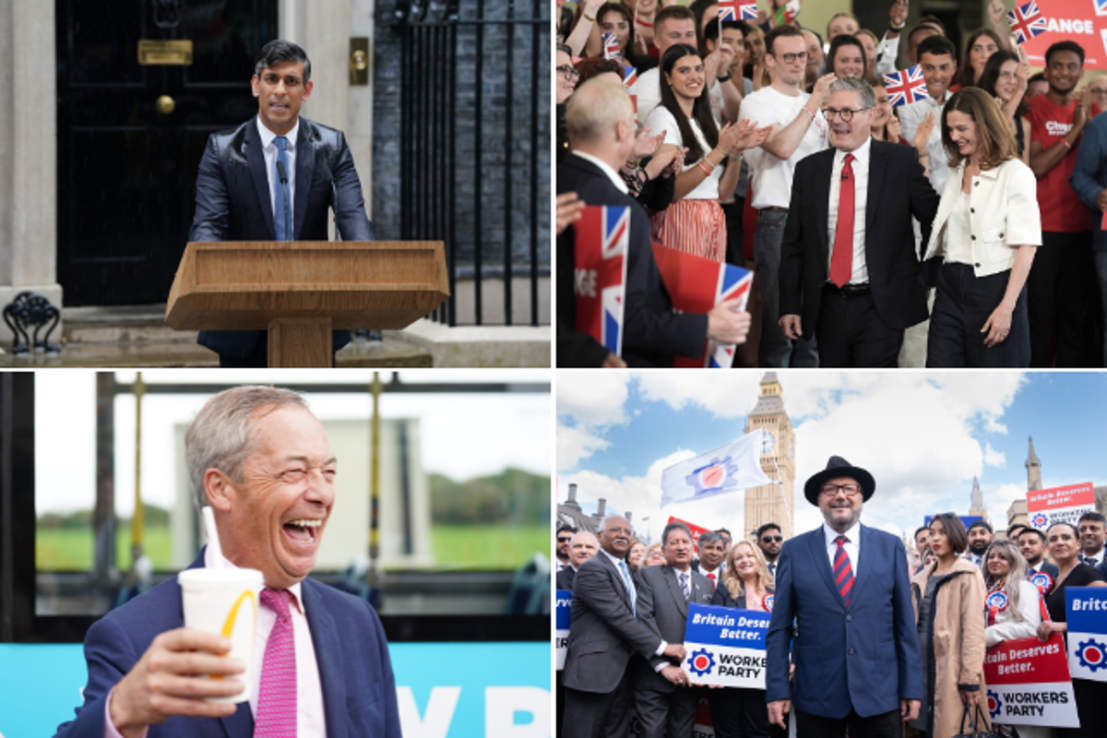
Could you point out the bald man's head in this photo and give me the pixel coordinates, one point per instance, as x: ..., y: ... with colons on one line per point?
x: 599, y: 117
x: 583, y: 547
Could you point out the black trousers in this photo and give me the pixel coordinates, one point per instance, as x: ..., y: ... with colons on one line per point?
x: 665, y: 713
x: 887, y: 725
x: 850, y: 332
x: 596, y: 714
x: 961, y: 308
x: 1061, y: 288
x: 741, y: 713
x: 734, y: 238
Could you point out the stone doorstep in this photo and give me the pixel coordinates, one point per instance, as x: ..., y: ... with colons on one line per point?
x: 481, y: 346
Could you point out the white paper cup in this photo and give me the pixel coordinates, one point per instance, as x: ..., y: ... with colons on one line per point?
x: 225, y: 601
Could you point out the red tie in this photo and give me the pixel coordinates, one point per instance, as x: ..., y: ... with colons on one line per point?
x: 841, y: 259
x: 711, y: 576
x: 843, y: 572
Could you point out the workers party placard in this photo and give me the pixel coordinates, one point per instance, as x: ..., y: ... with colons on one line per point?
x: 563, y: 618
x: 725, y: 646
x: 1086, y: 612
x: 1045, y: 507
x: 1028, y: 683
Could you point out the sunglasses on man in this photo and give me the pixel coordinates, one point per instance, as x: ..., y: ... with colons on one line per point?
x: 772, y: 539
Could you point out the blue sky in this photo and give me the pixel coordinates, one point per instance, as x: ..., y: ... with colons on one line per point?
x: 923, y: 435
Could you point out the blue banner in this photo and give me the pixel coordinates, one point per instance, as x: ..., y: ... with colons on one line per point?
x: 726, y: 646
x: 503, y: 689
x: 562, y: 616
x: 1086, y: 613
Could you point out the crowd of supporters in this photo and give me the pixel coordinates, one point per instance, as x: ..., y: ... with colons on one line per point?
x: 953, y: 571
x: 1004, y: 267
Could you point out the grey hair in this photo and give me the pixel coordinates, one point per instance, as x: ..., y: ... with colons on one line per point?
x: 708, y: 537
x: 594, y: 109
x: 224, y: 433
x: 855, y: 84
x: 674, y: 526
x: 279, y: 50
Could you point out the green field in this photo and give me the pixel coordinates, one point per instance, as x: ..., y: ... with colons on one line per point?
x: 455, y: 547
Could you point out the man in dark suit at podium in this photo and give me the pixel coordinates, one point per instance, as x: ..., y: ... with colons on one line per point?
x: 273, y: 179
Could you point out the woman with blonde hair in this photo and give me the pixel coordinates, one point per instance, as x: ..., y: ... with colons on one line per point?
x: 746, y: 585
x: 1012, y: 609
x: 949, y: 599
x: 655, y: 555
x: 987, y: 229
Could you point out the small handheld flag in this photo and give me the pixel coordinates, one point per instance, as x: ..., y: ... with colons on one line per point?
x: 1026, y: 22
x: 905, y: 87
x: 747, y: 12
x: 599, y: 282
x: 610, y: 46
x: 788, y: 12
x: 630, y: 84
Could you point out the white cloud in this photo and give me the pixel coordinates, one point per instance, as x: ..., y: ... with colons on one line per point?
x: 593, y: 398
x: 575, y: 444
x: 993, y: 457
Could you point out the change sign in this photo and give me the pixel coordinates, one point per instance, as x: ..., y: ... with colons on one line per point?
x: 1028, y: 683
x: 561, y: 631
x: 1086, y: 612
x: 726, y: 646
x: 1059, y: 505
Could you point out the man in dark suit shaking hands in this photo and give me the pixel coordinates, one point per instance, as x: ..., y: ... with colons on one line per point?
x: 603, y: 637
x: 843, y: 609
x: 849, y: 270
x: 273, y: 179
x: 663, y: 695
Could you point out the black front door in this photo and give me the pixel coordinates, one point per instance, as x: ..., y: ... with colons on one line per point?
x: 130, y: 135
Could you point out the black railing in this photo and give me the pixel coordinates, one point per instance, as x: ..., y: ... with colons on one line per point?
x: 474, y: 141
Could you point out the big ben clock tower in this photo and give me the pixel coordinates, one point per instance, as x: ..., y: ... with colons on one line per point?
x: 772, y: 503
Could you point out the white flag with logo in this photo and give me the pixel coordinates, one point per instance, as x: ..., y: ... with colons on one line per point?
x: 729, y: 468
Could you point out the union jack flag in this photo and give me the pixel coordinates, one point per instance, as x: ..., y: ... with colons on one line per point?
x: 600, y: 253
x: 630, y: 83
x: 610, y: 46
x: 727, y: 11
x: 747, y: 12
x: 1026, y: 22
x: 905, y: 87
x: 696, y: 285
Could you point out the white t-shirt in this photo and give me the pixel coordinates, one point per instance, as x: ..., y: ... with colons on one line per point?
x: 648, y: 89
x: 662, y: 120
x: 772, y: 177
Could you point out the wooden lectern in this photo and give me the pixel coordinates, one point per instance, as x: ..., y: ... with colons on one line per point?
x: 302, y: 290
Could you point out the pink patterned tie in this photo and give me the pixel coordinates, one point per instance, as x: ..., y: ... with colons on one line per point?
x: 276, y: 711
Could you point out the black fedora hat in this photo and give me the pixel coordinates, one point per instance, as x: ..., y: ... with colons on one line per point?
x: 839, y: 467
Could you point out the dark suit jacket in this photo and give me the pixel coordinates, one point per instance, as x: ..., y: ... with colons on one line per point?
x: 897, y: 190
x: 604, y: 633
x: 663, y: 609
x: 565, y: 578
x: 359, y: 692
x: 865, y: 657
x: 1050, y: 569
x: 233, y: 203
x: 652, y: 332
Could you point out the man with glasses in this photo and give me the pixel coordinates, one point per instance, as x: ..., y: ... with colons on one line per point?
x: 799, y: 129
x: 849, y: 273
x: 564, y: 537
x: 769, y: 540
x: 855, y: 647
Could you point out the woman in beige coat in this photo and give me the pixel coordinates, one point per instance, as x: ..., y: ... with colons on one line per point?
x: 949, y: 610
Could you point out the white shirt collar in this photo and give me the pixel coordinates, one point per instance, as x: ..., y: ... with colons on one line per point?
x: 267, y: 136
x: 860, y: 155
x: 614, y: 559
x: 210, y: 562
x: 606, y: 169
x: 853, y: 534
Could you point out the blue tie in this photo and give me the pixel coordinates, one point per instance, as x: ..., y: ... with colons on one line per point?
x: 280, y: 201
x: 630, y: 587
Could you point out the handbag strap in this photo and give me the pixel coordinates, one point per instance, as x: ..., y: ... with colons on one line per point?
x: 983, y: 726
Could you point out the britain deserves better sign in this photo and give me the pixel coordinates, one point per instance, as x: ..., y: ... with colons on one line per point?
x: 1086, y: 613
x: 1028, y: 683
x: 725, y: 646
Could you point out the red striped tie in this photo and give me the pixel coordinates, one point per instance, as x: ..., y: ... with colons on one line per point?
x: 843, y: 572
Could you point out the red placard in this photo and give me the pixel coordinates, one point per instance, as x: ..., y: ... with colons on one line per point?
x: 1056, y: 497
x: 1027, y: 661
x: 1082, y: 21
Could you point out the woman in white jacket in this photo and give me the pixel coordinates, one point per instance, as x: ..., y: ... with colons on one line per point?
x: 986, y: 231
x: 1011, y: 610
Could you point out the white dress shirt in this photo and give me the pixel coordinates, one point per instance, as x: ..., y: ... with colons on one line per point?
x: 269, y: 149
x: 860, y: 165
x: 853, y: 547
x: 310, y: 719
x: 910, y: 117
x: 1094, y: 560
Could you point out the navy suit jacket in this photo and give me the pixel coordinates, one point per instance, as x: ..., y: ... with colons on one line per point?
x: 865, y: 656
x: 359, y: 692
x: 233, y: 203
